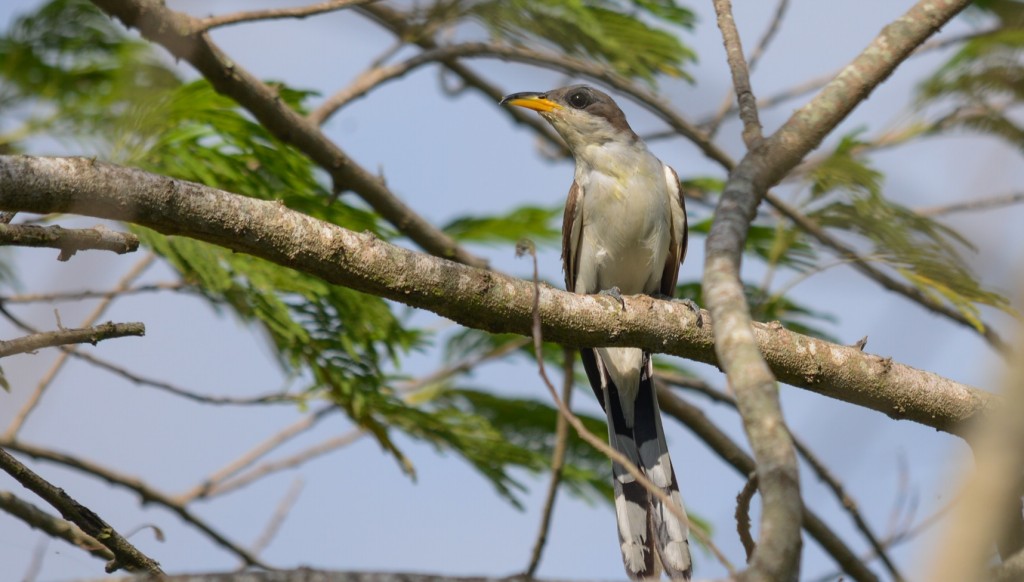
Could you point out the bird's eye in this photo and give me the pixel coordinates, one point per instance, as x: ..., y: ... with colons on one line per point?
x: 579, y: 99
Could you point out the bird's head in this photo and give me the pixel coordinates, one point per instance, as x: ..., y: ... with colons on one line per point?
x: 582, y: 115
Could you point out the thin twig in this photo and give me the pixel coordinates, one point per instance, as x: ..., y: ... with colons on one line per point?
x: 557, y: 461
x: 743, y: 499
x: 819, y: 468
x: 970, y: 205
x: 850, y: 505
x: 276, y: 520
x: 68, y: 240
x: 91, y: 294
x: 147, y: 493
x: 259, y: 399
x: 275, y: 13
x: 125, y: 554
x: 204, y: 488
x: 596, y: 442
x: 769, y: 34
x: 53, y: 526
x: 33, y: 400
x: 740, y: 75
x: 262, y: 470
x: 723, y: 445
x: 91, y: 335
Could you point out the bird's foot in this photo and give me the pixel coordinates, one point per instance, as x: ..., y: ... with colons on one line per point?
x: 689, y: 303
x: 616, y: 294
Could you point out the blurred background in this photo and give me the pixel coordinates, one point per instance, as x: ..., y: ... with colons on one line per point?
x: 453, y: 155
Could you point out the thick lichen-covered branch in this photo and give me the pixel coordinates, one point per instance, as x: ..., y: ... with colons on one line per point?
x: 472, y: 297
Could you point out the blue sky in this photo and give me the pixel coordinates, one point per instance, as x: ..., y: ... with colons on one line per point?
x: 452, y: 156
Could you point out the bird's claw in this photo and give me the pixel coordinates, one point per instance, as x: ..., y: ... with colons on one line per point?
x: 616, y: 294
x: 689, y: 303
x: 695, y: 309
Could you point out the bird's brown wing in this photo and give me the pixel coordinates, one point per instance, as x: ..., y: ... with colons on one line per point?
x: 677, y: 249
x: 572, y: 226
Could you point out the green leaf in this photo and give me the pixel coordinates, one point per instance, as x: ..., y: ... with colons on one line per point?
x: 925, y: 252
x: 521, y: 432
x: 774, y: 245
x: 765, y: 306
x: 531, y: 222
x: 614, y: 33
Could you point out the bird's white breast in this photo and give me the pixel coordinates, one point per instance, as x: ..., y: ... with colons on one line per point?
x: 625, y: 217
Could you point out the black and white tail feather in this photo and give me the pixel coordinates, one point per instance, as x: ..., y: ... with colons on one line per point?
x: 646, y: 527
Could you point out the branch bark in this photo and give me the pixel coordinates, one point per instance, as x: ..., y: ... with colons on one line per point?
x: 125, y: 554
x: 777, y: 556
x: 473, y: 297
x: 62, y: 337
x: 53, y: 526
x: 68, y: 240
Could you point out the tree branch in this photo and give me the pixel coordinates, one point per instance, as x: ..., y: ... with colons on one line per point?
x: 777, y: 556
x: 276, y: 13
x: 694, y: 419
x: 740, y: 75
x: 53, y: 526
x: 145, y: 492
x: 92, y: 335
x: 68, y: 240
x: 473, y: 297
x: 177, y: 33
x: 125, y: 554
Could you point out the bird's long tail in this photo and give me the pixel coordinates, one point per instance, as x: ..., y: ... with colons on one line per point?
x: 646, y: 526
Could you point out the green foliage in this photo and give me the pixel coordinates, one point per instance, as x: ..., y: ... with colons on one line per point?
x: 521, y: 429
x: 925, y: 252
x: 775, y: 244
x: 982, y: 85
x: 766, y: 306
x: 532, y: 222
x: 612, y: 32
x: 69, y: 70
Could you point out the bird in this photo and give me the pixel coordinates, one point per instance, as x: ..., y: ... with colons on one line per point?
x: 624, y: 231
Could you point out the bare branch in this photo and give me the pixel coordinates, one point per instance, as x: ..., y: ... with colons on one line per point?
x: 743, y: 499
x: 90, y: 294
x: 146, y: 493
x: 276, y: 520
x: 91, y: 335
x: 557, y: 462
x: 711, y: 127
x: 125, y: 554
x: 694, y: 419
x: 971, y: 205
x: 204, y: 488
x: 850, y: 505
x: 68, y: 240
x: 740, y: 75
x: 260, y: 471
x: 473, y: 297
x: 33, y: 399
x: 276, y: 13
x: 819, y: 468
x: 53, y: 526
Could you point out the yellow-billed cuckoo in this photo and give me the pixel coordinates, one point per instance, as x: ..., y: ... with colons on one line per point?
x: 624, y: 230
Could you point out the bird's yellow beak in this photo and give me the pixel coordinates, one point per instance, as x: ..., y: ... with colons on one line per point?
x: 535, y: 101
